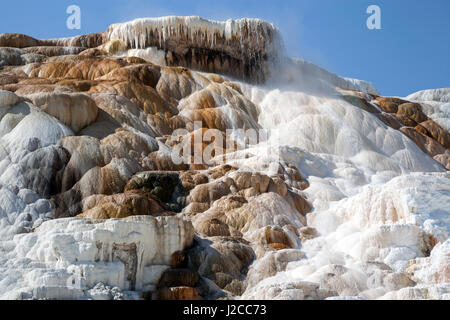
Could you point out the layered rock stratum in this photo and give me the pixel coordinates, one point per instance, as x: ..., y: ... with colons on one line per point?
x: 346, y: 196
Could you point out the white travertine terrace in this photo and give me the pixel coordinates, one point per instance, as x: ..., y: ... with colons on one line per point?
x: 437, y: 95
x: 128, y: 254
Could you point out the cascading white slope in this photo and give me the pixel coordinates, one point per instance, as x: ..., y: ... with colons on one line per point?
x: 375, y: 193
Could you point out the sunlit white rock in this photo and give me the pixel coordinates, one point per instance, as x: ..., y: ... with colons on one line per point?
x: 66, y: 256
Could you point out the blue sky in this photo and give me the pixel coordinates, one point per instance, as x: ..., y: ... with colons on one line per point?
x: 410, y: 53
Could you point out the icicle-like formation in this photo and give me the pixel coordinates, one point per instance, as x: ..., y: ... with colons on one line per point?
x: 246, y: 37
x: 241, y: 48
